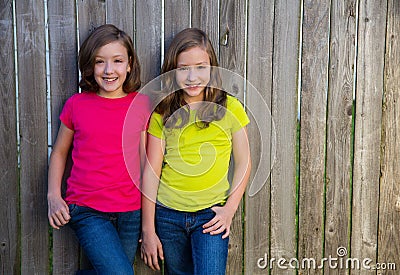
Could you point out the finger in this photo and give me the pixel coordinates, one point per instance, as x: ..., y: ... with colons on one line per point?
x: 66, y: 207
x: 226, y: 234
x: 160, y: 252
x: 52, y: 224
x: 155, y: 262
x: 211, y: 222
x: 218, y: 230
x: 60, y: 219
x: 216, y: 226
x: 65, y: 215
x: 56, y: 220
x: 145, y: 258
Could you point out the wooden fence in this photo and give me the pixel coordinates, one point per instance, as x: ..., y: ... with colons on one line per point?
x: 329, y: 71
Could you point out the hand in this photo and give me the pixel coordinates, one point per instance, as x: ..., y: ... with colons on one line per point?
x: 151, y: 249
x: 220, y: 223
x: 58, y: 212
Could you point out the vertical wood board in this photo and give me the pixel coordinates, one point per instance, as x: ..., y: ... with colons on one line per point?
x: 314, y: 85
x: 33, y: 135
x: 9, y: 232
x: 258, y: 98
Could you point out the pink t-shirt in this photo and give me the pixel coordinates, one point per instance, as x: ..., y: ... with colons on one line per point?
x: 99, y: 177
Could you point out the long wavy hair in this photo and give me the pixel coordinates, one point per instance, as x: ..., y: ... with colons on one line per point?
x: 170, y: 107
x: 101, y: 36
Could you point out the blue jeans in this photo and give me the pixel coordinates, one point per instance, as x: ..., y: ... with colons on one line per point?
x: 187, y: 250
x: 109, y: 240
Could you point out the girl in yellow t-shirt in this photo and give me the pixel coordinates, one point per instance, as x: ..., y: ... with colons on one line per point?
x: 188, y: 203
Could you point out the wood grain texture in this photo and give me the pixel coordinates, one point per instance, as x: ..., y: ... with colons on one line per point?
x: 33, y: 136
x: 350, y: 144
x: 389, y: 202
x: 63, y: 84
x: 148, y: 38
x: 91, y: 14
x: 205, y: 16
x: 339, y: 128
x: 367, y: 132
x: 284, y: 114
x: 148, y: 48
x: 9, y: 232
x: 232, y: 57
x: 232, y: 41
x: 121, y: 14
x: 258, y: 98
x: 314, y: 79
x: 177, y: 18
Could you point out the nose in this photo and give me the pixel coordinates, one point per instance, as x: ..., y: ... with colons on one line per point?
x: 108, y: 68
x: 192, y: 75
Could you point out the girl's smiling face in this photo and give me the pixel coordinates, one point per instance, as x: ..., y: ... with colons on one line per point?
x: 193, y: 73
x: 110, y: 69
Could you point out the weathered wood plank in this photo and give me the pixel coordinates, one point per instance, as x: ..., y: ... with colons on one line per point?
x: 177, y: 18
x: 91, y: 14
x: 314, y: 81
x: 121, y: 14
x: 9, y: 232
x: 205, y: 16
x: 258, y: 98
x: 33, y: 135
x: 63, y: 84
x: 389, y: 202
x: 232, y: 40
x: 232, y: 57
x: 339, y: 128
x: 148, y: 38
x: 284, y: 114
x: 367, y: 132
x: 148, y: 48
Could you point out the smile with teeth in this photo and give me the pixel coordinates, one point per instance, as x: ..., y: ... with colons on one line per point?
x: 110, y: 79
x: 192, y: 86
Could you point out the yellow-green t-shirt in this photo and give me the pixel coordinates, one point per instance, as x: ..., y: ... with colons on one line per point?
x: 196, y: 160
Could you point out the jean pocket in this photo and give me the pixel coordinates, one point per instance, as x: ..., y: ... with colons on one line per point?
x: 73, y: 209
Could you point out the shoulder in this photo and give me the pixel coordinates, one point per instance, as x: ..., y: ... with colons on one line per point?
x: 81, y: 96
x: 139, y: 97
x: 156, y: 117
x: 233, y: 103
x: 236, y: 113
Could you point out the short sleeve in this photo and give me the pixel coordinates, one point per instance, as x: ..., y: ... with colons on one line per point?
x: 140, y: 106
x: 147, y: 113
x: 66, y: 114
x: 238, y: 114
x: 156, y: 125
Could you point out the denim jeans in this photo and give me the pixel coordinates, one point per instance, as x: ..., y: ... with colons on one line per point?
x: 109, y: 240
x: 187, y: 250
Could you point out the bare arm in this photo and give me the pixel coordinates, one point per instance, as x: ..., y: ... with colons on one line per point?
x: 151, y: 247
x: 224, y: 215
x: 58, y: 212
x: 142, y: 150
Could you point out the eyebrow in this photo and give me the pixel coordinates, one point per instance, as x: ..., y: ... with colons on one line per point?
x: 114, y: 56
x: 200, y: 63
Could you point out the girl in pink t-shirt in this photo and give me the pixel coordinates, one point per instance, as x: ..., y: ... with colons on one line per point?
x: 102, y: 201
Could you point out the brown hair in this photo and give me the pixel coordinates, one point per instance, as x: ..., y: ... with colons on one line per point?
x: 172, y: 102
x: 101, y: 36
